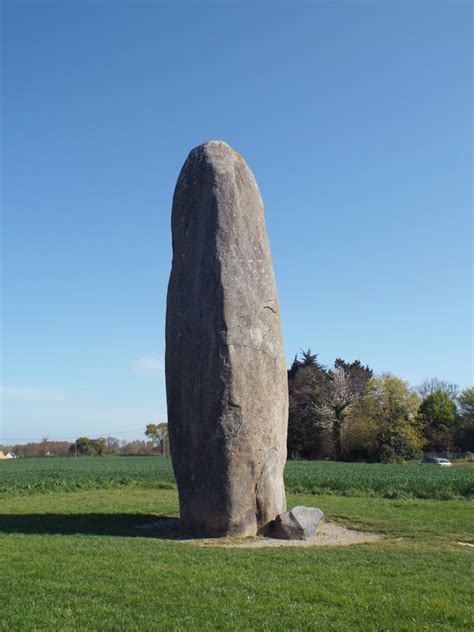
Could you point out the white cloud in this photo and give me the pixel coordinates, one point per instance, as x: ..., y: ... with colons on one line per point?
x: 43, y: 394
x: 148, y: 364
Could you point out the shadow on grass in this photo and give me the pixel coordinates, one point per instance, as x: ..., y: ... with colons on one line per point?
x: 125, y: 525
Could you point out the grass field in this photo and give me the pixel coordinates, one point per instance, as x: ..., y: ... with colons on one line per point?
x: 74, y: 560
x: 353, y: 479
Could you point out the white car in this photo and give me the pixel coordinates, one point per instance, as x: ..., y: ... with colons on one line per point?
x: 440, y: 462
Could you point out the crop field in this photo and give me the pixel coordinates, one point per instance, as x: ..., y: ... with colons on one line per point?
x: 69, y: 474
x: 412, y: 480
x: 309, y: 477
x: 75, y: 558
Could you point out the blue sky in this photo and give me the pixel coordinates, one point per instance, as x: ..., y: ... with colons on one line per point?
x: 356, y: 120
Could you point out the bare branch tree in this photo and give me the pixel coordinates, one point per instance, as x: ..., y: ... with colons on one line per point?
x: 431, y: 385
x: 340, y: 397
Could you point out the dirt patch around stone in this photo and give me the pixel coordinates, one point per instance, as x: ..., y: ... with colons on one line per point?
x: 331, y: 534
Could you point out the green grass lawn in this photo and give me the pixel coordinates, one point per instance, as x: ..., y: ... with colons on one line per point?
x: 75, y: 561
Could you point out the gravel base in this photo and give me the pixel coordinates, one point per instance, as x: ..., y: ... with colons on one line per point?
x: 331, y: 534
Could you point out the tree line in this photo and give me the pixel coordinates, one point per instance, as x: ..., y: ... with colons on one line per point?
x: 82, y: 446
x: 346, y: 413
x: 156, y: 443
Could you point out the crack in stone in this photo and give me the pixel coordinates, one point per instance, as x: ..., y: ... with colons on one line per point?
x: 270, y: 308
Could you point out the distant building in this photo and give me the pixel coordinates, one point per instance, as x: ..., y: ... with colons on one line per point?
x: 8, y: 455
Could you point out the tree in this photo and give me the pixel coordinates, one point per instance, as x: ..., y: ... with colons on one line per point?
x: 390, y: 407
x: 163, y: 437
x: 112, y: 445
x: 137, y: 447
x: 151, y: 431
x: 90, y: 447
x: 360, y: 434
x: 438, y: 412
x: 466, y: 419
x: 347, y: 382
x: 319, y: 401
x: 358, y: 374
x: 336, y: 405
x: 306, y: 384
x: 81, y: 446
x: 158, y: 435
x: 466, y: 405
x: 432, y: 385
x: 44, y: 448
x: 99, y: 446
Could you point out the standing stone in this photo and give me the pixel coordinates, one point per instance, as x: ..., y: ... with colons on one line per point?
x: 226, y: 375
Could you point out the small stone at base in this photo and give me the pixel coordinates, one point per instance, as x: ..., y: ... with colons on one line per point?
x: 299, y: 523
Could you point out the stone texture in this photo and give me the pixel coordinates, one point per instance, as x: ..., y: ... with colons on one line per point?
x: 225, y: 367
x: 300, y: 523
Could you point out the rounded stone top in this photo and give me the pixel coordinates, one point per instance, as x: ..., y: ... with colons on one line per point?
x: 210, y: 144
x: 217, y: 149
x: 219, y: 158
